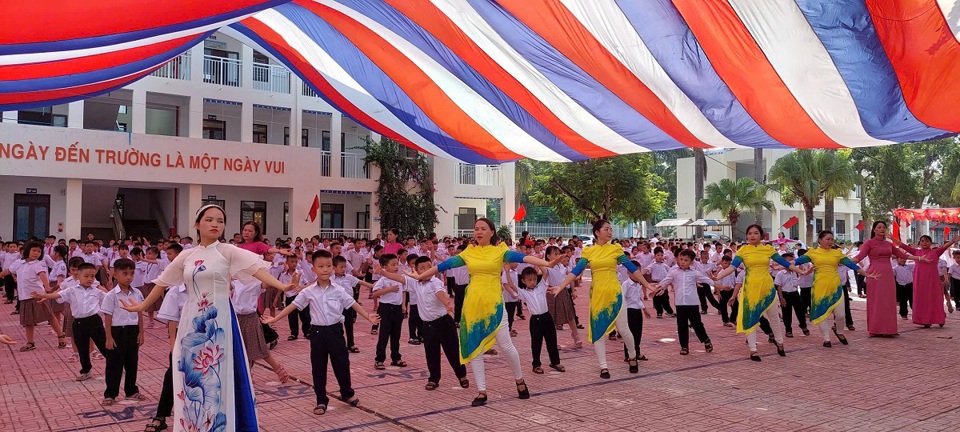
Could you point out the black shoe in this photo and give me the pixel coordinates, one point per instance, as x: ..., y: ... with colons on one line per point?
x: 827, y: 344
x: 272, y: 344
x: 754, y: 356
x: 789, y: 334
x: 292, y: 338
x: 522, y: 391
x: 604, y: 373
x: 840, y: 337
x: 781, y: 351
x: 805, y: 332
x: 480, y: 400
x: 771, y: 339
x: 634, y: 366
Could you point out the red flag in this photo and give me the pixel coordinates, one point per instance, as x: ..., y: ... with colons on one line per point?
x: 896, y: 231
x: 946, y: 233
x: 860, y: 226
x: 791, y: 222
x: 314, y: 208
x: 521, y: 213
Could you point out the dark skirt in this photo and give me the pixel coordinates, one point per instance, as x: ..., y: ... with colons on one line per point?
x: 67, y: 320
x: 145, y: 290
x: 32, y: 312
x: 253, y: 339
x: 56, y: 307
x: 560, y: 307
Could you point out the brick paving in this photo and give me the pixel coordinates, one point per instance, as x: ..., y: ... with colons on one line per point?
x: 905, y: 383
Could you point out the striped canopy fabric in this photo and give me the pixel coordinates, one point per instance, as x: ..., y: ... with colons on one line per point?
x: 488, y: 81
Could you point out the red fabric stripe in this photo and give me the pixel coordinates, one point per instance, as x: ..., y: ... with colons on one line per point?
x: 310, y: 73
x: 431, y: 19
x: 416, y: 84
x: 84, y: 90
x: 50, y: 21
x: 924, y: 54
x: 88, y: 63
x: 555, y: 24
x: 742, y: 65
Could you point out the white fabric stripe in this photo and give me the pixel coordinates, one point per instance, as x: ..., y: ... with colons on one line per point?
x: 12, y: 59
x: 462, y: 14
x: 951, y: 14
x: 341, y: 80
x: 501, y: 127
x: 805, y: 66
x: 607, y: 23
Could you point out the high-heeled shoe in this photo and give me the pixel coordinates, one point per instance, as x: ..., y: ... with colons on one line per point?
x: 781, y: 351
x: 634, y: 366
x: 754, y: 356
x: 522, y: 391
x: 480, y: 400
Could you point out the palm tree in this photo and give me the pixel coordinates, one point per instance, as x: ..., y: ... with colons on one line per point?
x: 839, y: 172
x: 700, y: 174
x: 523, y: 175
x: 807, y: 176
x: 730, y: 198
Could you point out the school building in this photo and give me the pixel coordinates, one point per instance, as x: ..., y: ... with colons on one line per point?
x: 222, y: 123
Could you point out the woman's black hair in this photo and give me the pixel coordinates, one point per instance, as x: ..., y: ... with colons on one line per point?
x: 874, y: 227
x: 31, y: 245
x: 598, y: 225
x: 758, y: 227
x: 257, y: 233
x: 203, y: 210
x: 823, y: 234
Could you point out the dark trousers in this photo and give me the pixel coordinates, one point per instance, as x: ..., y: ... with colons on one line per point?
x: 861, y: 284
x: 437, y: 334
x: 459, y: 291
x: 904, y: 296
x: 805, y: 299
x: 349, y: 319
x: 576, y: 319
x: 327, y: 345
x: 414, y: 323
x: 635, y: 323
x: 165, y: 404
x: 661, y: 302
x: 450, y: 283
x: 9, y: 286
x: 391, y: 321
x: 846, y: 303
x: 85, y: 329
x: 706, y: 297
x: 689, y: 316
x: 794, y: 306
x: 726, y: 314
x: 542, y: 329
x: 955, y: 291
x: 301, y: 317
x: 511, y: 311
x: 124, y: 359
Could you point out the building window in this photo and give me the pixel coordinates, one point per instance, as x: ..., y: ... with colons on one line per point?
x: 305, y: 137
x: 214, y: 129
x: 857, y: 191
x: 331, y: 216
x: 363, y: 218
x: 260, y: 133
x: 42, y: 116
x: 254, y: 211
x: 325, y: 140
x: 466, y: 217
x: 795, y: 231
x: 286, y: 218
x: 216, y: 202
x: 819, y: 225
x: 286, y: 136
x: 841, y: 227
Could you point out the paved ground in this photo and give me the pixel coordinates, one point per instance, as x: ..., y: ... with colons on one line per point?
x: 906, y: 383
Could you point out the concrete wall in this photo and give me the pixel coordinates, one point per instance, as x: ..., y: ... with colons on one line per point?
x: 45, y: 186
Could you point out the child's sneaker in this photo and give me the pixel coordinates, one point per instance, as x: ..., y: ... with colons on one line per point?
x: 84, y: 376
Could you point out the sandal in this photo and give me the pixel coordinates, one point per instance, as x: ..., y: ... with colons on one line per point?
x: 827, y: 344
x: 781, y: 351
x: 355, y: 402
x: 604, y: 373
x: 354, y: 349
x: 63, y: 341
x: 558, y: 368
x: 431, y: 386
x: 522, y: 391
x: 578, y: 345
x: 320, y: 409
x: 292, y: 338
x: 754, y: 356
x: 30, y: 346
x: 379, y: 366
x: 399, y: 363
x: 480, y: 400
x: 708, y: 346
x: 684, y: 351
x: 538, y: 370
x: 282, y: 375
x: 107, y: 401
x: 156, y: 424
x: 634, y: 366
x: 464, y: 382
x: 137, y: 397
x: 642, y: 357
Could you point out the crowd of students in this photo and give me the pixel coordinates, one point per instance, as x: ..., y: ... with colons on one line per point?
x: 90, y: 291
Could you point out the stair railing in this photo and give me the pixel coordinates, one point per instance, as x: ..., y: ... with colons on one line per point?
x: 118, y: 230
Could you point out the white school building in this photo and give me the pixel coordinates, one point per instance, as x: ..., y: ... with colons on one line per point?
x: 222, y: 123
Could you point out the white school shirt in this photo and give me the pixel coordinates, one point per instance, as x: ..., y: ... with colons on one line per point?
x: 326, y: 303
x: 245, y: 295
x: 93, y: 258
x: 741, y: 274
x: 954, y: 271
x: 307, y: 276
x: 787, y: 280
x: 645, y: 259
x: 685, y: 285
x: 286, y: 278
x: 111, y: 306
x: 347, y: 282
x: 806, y: 281
x: 356, y: 258
x: 172, y: 304
x: 58, y: 269
x: 658, y: 271
x: 28, y: 278
x: 942, y: 265
x: 514, y: 277
x: 139, y: 271
x: 430, y: 308
x: 728, y: 280
x: 84, y: 302
x: 461, y: 276
x: 393, y: 298
x: 632, y: 294
x: 556, y: 274
x: 151, y: 272
x: 536, y: 298
x: 844, y: 274
x: 903, y: 273
x: 622, y: 274
x: 8, y: 259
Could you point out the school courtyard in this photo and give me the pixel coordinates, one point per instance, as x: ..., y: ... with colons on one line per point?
x: 906, y: 383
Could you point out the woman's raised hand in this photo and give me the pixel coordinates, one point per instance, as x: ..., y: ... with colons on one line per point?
x: 131, y: 305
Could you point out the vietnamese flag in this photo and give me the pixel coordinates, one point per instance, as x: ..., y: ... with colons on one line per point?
x: 521, y: 213
x: 314, y: 208
x: 860, y: 226
x: 946, y: 234
x: 790, y: 222
x: 896, y: 231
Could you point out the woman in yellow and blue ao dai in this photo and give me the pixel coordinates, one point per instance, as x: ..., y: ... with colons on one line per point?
x: 826, y: 293
x: 758, y: 294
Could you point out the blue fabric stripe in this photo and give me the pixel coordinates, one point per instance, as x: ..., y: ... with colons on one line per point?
x: 847, y: 32
x: 574, y: 81
x: 513, y: 257
x: 100, y: 75
x: 245, y: 410
x: 397, y: 22
x: 625, y: 261
x: 580, y: 267
x: 371, y: 78
x: 675, y: 48
x: 112, y: 39
x: 51, y: 102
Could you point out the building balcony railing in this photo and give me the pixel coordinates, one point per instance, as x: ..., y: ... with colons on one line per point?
x: 222, y: 71
x: 307, y: 91
x: 177, y: 68
x: 357, y: 233
x: 325, y: 161
x: 271, y: 78
x: 480, y: 175
x: 352, y: 165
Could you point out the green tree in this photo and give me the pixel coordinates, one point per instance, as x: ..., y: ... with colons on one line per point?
x: 614, y: 188
x: 806, y: 176
x: 404, y: 189
x: 945, y: 189
x: 524, y: 172
x: 699, y: 176
x: 843, y: 178
x: 665, y: 167
x: 731, y: 198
